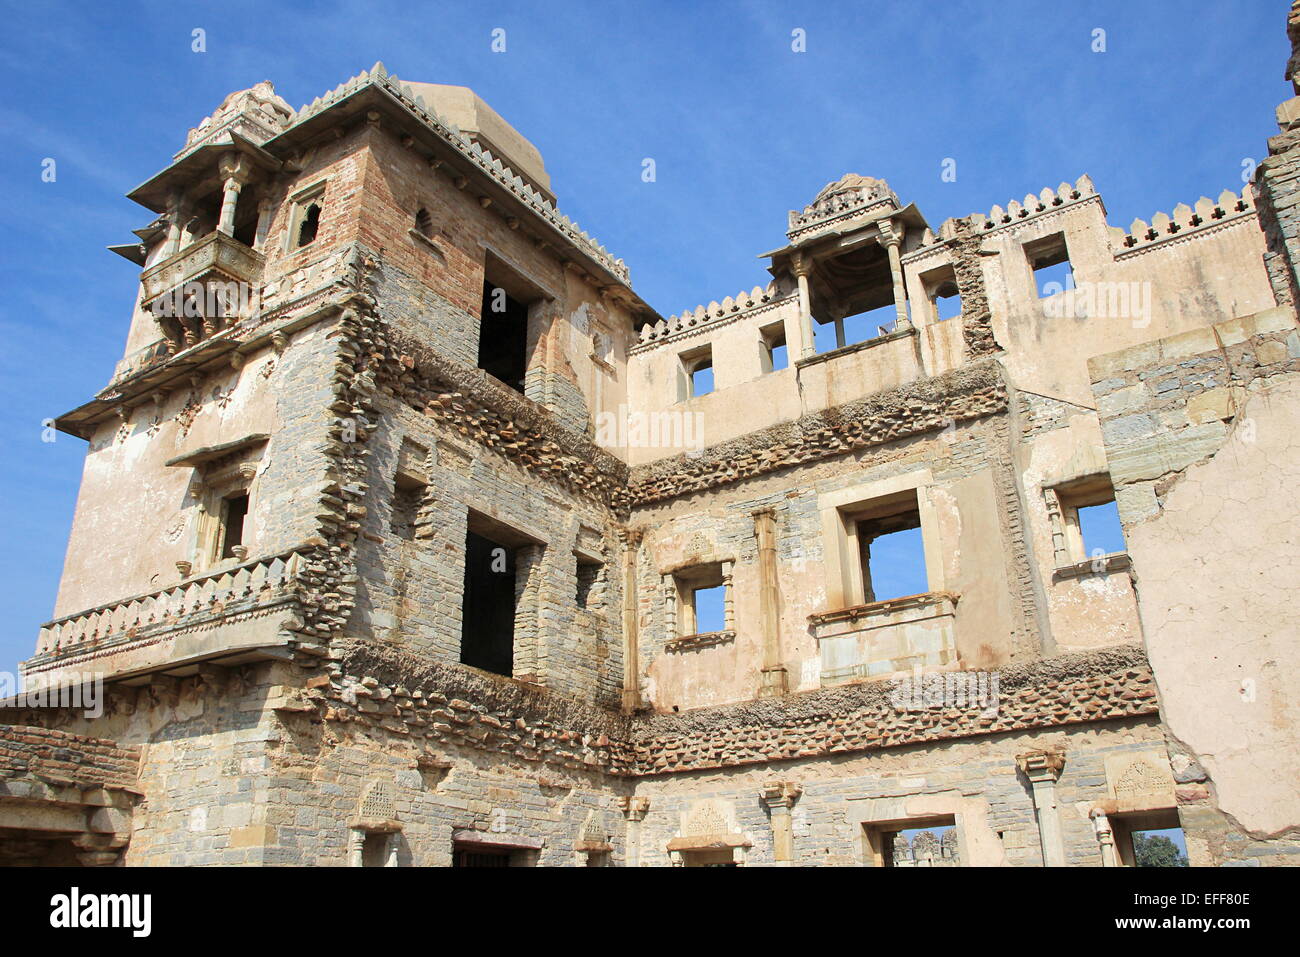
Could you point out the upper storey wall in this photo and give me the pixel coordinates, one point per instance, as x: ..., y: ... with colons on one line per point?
x: 1187, y: 271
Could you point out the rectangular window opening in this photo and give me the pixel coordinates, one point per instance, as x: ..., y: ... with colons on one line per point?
x: 503, y: 335
x: 892, y: 554
x: 408, y: 498
x: 588, y: 597
x: 1091, y: 517
x: 234, y: 511
x: 941, y: 289
x: 709, y: 610
x: 918, y: 843
x: 774, y: 354
x: 1050, y: 261
x: 697, y: 373
x: 488, y: 605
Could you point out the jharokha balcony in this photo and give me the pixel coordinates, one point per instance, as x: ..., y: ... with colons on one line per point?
x: 201, y: 290
x: 234, y: 613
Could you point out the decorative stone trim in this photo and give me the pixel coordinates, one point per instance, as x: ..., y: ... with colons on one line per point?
x: 1114, y: 562
x: 856, y: 612
x: 704, y: 640
x: 856, y: 347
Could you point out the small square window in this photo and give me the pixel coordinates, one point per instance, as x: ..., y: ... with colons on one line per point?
x: 774, y: 354
x: 1049, y: 259
x: 697, y: 371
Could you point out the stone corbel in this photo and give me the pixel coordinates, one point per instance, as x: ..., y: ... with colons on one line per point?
x: 1105, y: 837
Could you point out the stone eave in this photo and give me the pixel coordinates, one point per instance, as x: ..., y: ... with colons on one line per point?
x: 195, y: 167
x: 909, y: 214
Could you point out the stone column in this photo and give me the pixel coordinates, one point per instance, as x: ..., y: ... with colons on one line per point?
x: 1043, y: 768
x: 670, y: 608
x: 631, y: 541
x: 891, y: 237
x: 802, y: 266
x: 1105, y: 837
x: 356, y: 847
x: 728, y: 598
x: 634, y: 809
x: 775, y: 680
x: 780, y: 798
x: 176, y: 212
x: 234, y: 174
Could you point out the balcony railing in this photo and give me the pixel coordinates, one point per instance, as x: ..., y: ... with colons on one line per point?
x: 203, y: 601
x: 204, y: 288
x: 874, y: 640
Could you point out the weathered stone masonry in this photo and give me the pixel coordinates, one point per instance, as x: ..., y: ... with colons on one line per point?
x: 292, y: 490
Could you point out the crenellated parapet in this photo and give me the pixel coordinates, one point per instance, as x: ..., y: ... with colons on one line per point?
x: 711, y: 316
x: 1207, y: 216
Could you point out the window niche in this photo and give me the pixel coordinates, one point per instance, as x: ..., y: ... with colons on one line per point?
x: 304, y: 217
x: 773, y: 354
x: 222, y: 488
x: 1049, y: 261
x: 1087, y: 536
x: 499, y: 617
x: 509, y: 304
x: 941, y: 293
x: 699, y: 606
x: 695, y: 376
x: 410, y: 490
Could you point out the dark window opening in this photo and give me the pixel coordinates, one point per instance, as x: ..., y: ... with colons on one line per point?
x: 1050, y: 261
x: 235, y: 510
x: 488, y: 608
x: 503, y: 336
x: 481, y: 857
x: 310, y: 224
x: 893, y: 556
x: 424, y: 224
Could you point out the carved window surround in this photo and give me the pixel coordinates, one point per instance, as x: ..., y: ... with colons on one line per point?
x: 1063, y: 501
x: 220, y: 471
x: 679, y: 608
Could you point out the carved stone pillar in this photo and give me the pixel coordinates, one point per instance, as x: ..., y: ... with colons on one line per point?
x: 634, y: 809
x: 1043, y: 768
x: 775, y: 680
x: 234, y: 174
x: 356, y: 847
x: 802, y: 266
x: 780, y: 798
x: 670, y: 608
x: 728, y: 598
x: 631, y: 541
x: 891, y: 237
x: 1105, y: 837
x: 176, y: 215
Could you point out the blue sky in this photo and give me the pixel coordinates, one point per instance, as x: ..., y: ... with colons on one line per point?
x: 741, y: 129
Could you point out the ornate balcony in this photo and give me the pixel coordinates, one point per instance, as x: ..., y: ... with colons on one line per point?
x: 204, y: 288
x: 233, y: 612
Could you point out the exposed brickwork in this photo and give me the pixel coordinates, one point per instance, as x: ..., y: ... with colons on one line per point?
x: 60, y: 757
